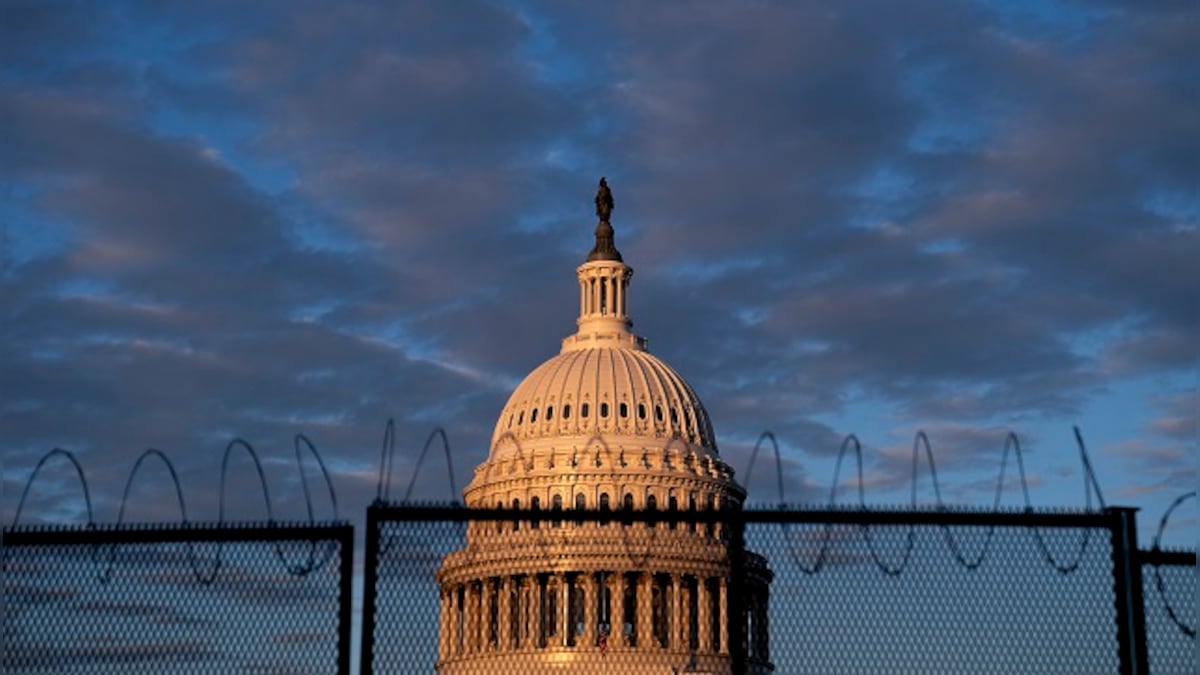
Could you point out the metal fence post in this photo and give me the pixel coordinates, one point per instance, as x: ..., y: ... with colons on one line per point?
x: 736, y: 608
x: 370, y: 576
x: 346, y: 601
x: 1130, y: 604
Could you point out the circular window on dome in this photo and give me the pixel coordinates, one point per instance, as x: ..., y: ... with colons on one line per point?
x: 604, y: 410
x: 623, y: 409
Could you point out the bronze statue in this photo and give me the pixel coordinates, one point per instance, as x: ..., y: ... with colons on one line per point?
x: 604, y: 201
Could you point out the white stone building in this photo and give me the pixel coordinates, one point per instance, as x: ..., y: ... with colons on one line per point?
x: 602, y: 425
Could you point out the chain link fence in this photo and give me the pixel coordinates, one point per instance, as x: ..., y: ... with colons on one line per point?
x: 452, y: 590
x: 272, y: 598
x: 1171, y: 595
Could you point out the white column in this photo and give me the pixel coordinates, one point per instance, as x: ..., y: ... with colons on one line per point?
x: 590, y: 602
x: 443, y: 625
x: 504, y: 615
x: 564, y: 608
x: 676, y: 628
x: 617, y: 620
x: 724, y: 603
x: 645, y: 613
x: 704, y: 614
x: 469, y: 619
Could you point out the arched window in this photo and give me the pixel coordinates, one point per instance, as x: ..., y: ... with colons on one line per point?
x: 692, y: 511
x: 604, y: 506
x: 673, y: 507
x: 583, y: 410
x: 652, y: 506
x: 641, y: 411
x: 604, y: 410
x: 623, y: 410
x: 580, y: 504
x: 535, y: 505
x: 516, y: 506
x: 567, y: 411
x: 556, y: 505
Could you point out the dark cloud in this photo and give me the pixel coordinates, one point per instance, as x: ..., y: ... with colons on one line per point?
x: 254, y: 221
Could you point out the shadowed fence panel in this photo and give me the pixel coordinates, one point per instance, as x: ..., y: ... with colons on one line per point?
x: 271, y: 598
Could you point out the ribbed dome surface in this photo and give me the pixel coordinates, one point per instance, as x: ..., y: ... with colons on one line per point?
x: 605, y: 390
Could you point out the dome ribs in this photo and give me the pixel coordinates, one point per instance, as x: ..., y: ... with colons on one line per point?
x: 628, y: 393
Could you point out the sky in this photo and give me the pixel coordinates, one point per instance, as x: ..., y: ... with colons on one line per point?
x: 253, y: 220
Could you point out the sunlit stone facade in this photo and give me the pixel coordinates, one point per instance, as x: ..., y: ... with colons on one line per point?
x: 602, y: 425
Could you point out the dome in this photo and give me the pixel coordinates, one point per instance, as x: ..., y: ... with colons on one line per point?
x: 602, y: 425
x: 614, y: 391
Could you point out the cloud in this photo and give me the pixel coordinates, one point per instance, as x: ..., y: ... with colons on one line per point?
x: 302, y: 217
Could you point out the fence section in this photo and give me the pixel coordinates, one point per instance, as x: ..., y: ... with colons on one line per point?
x: 948, y: 592
x: 273, y: 598
x: 1171, y: 594
x: 789, y: 591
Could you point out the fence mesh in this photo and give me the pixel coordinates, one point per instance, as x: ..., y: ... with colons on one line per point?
x: 458, y: 591
x: 194, y: 599
x: 847, y: 599
x: 1171, y: 596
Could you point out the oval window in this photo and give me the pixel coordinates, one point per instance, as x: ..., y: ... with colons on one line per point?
x: 604, y: 410
x: 567, y: 411
x: 583, y: 410
x: 623, y: 410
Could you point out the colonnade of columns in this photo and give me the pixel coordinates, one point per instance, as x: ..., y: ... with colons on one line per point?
x: 627, y: 610
x: 602, y: 292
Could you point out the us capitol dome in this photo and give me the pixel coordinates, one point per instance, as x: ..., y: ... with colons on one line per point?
x: 602, y: 425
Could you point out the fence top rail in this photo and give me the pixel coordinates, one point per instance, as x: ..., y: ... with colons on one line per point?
x: 58, y: 535
x: 1159, y: 556
x: 790, y: 514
